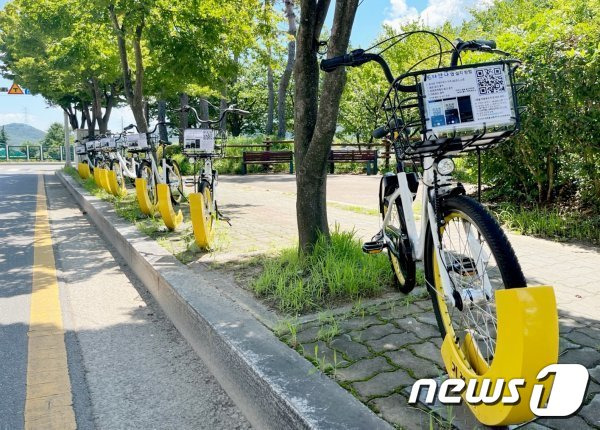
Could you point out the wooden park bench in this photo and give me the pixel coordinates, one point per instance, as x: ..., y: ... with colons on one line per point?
x: 368, y: 156
x: 266, y: 158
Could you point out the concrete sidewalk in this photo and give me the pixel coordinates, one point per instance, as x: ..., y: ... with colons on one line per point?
x: 378, y: 355
x: 263, y: 213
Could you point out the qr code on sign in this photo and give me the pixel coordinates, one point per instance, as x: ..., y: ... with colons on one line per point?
x: 490, y: 80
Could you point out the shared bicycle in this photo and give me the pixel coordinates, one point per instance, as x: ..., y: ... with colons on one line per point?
x: 203, y: 145
x: 433, y: 116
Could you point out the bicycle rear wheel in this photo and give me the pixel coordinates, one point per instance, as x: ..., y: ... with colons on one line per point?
x: 479, y: 260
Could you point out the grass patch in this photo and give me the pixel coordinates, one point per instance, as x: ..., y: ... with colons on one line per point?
x: 353, y: 208
x: 337, y: 271
x: 551, y: 223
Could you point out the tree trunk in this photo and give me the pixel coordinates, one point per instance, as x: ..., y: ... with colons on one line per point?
x: 289, y: 68
x: 133, y: 93
x: 270, y: 98
x: 72, y: 114
x: 162, y: 117
x: 315, y: 120
x: 184, y: 100
x: 224, y: 106
x: 204, y: 112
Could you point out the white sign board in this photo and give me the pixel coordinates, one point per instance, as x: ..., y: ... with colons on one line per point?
x: 467, y: 99
x: 137, y: 141
x: 198, y: 141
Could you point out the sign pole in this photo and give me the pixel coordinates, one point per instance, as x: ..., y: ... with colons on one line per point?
x: 67, y: 141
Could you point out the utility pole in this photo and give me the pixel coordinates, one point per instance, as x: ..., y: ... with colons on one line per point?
x: 67, y: 141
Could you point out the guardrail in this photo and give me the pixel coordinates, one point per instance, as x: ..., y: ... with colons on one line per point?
x: 33, y: 153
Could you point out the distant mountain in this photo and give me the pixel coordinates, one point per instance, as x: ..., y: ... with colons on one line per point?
x: 18, y: 134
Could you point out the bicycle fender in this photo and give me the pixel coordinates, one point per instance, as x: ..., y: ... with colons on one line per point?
x: 165, y: 207
x: 143, y: 199
x: 527, y: 341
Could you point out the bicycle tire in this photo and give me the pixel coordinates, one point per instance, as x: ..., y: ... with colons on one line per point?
x: 511, y: 274
x: 176, y: 190
x: 403, y: 266
x: 145, y: 172
x: 115, y: 166
x: 204, y: 233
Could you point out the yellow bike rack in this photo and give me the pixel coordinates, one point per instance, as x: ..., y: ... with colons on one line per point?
x: 84, y: 170
x: 113, y: 185
x: 527, y: 341
x: 141, y: 190
x: 170, y: 218
x: 202, y: 234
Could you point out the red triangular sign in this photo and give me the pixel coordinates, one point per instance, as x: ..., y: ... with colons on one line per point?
x: 15, y: 89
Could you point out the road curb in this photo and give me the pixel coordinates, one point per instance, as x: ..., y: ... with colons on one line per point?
x: 271, y: 383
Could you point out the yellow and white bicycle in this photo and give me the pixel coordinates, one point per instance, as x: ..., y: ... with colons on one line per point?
x: 493, y: 327
x: 203, y: 145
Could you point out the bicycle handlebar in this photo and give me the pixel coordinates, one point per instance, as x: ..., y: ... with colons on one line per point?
x: 359, y: 57
x: 230, y: 109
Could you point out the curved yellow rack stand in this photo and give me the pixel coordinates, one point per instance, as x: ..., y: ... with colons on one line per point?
x: 202, y: 229
x: 170, y: 218
x: 527, y: 341
x: 113, y: 185
x: 84, y: 170
x: 143, y: 199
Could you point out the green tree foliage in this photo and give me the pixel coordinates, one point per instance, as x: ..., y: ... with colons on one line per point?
x: 55, y: 136
x: 557, y: 154
x: 3, y: 138
x: 66, y: 54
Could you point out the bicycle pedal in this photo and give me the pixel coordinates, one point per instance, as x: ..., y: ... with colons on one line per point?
x: 374, y: 247
x: 189, y: 181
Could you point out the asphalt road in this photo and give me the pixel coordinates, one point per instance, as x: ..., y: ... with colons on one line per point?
x: 128, y: 367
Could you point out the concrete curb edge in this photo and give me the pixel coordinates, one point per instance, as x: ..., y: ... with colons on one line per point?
x: 272, y: 384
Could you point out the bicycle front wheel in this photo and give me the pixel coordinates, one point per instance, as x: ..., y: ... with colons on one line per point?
x: 145, y: 172
x: 479, y: 260
x: 175, y: 181
x: 202, y: 211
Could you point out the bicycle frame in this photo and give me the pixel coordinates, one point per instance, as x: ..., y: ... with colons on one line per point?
x: 160, y: 178
x: 130, y: 169
x: 429, y: 220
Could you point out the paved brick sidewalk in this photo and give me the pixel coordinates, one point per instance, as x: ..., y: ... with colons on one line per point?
x: 378, y: 352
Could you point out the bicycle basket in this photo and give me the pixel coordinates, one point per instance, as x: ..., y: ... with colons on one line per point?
x: 198, y: 141
x: 203, y: 142
x: 454, y: 110
x: 137, y: 142
x: 80, y: 149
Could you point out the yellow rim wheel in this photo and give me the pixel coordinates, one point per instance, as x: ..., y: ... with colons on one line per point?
x: 395, y: 262
x: 202, y: 218
x: 148, y: 175
x: 470, y: 351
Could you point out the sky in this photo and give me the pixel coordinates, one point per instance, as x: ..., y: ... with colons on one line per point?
x: 370, y: 17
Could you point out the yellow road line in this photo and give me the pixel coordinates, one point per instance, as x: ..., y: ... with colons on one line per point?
x: 48, y: 404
